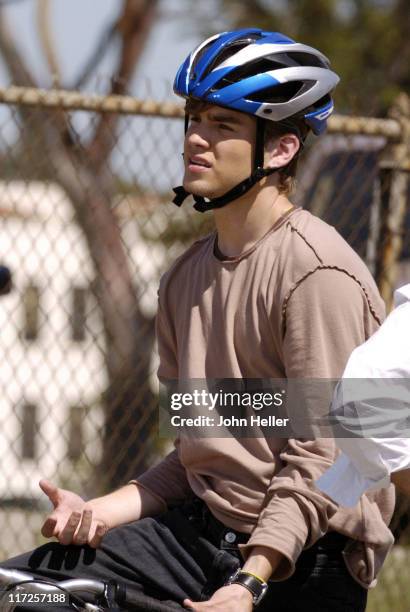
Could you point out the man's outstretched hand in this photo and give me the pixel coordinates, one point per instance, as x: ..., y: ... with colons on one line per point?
x: 73, y: 521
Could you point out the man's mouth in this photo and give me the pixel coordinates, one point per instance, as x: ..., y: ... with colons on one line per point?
x: 196, y: 163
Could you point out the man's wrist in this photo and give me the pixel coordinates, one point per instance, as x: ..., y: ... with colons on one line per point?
x: 101, y: 511
x: 117, y: 508
x: 262, y: 561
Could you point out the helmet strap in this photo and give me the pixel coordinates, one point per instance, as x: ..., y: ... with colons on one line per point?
x: 258, y: 160
x: 203, y: 205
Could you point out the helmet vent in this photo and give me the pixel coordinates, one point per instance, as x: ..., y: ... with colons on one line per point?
x: 280, y: 93
x: 199, y: 55
x: 247, y: 70
x: 230, y: 49
x: 298, y: 58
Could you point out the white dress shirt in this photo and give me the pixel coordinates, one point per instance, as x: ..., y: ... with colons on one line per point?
x: 367, y: 462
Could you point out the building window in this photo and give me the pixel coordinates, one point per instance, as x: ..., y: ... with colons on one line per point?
x: 76, y: 432
x: 78, y: 313
x: 31, y: 305
x: 29, y: 432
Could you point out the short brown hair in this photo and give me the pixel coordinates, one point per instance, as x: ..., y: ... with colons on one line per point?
x: 196, y: 106
x: 273, y: 130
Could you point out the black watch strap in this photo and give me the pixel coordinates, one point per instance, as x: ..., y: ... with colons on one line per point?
x: 255, y: 585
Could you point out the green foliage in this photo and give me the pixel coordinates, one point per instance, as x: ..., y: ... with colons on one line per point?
x: 392, y: 592
x: 367, y: 42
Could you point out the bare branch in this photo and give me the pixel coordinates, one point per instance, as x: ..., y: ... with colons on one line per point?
x: 34, y: 127
x: 61, y: 119
x: 17, y: 68
x: 134, y: 27
x: 46, y: 39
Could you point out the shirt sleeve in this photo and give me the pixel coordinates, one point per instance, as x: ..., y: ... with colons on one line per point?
x: 373, y: 396
x: 325, y: 319
x: 167, y: 480
x: 345, y: 484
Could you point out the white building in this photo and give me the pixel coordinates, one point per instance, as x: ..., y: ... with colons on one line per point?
x: 52, y: 370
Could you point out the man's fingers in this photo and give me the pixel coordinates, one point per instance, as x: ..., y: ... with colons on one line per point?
x: 67, y: 533
x: 50, y: 490
x: 100, y: 532
x: 48, y: 529
x: 81, y: 536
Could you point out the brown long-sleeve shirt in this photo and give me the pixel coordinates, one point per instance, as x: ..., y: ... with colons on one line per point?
x: 295, y: 305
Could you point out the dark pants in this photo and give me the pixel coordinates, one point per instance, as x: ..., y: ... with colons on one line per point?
x: 186, y: 552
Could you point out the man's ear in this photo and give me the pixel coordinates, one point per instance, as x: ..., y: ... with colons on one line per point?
x: 280, y: 151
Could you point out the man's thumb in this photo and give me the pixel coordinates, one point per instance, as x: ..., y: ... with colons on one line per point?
x: 50, y: 490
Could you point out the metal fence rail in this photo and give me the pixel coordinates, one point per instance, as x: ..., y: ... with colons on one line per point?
x: 392, y: 129
x: 87, y: 229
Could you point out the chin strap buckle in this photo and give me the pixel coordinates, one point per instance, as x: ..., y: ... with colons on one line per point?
x: 201, y: 205
x: 180, y: 195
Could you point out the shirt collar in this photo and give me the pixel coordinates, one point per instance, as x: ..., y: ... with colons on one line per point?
x: 402, y: 295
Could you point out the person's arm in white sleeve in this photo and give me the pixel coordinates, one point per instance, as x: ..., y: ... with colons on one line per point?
x: 367, y: 462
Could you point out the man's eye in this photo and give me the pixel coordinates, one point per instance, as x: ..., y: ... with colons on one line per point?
x: 193, y: 119
x: 223, y: 126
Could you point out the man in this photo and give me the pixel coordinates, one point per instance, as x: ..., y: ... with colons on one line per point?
x: 373, y: 461
x: 273, y: 293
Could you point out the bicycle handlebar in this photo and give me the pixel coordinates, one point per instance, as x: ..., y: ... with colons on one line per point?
x: 28, y: 583
x: 131, y: 599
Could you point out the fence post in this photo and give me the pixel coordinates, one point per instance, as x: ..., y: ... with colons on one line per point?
x: 394, y: 172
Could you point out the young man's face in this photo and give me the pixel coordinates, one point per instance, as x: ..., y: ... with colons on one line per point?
x: 218, y: 150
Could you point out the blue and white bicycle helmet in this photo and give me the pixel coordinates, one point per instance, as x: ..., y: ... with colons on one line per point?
x: 265, y: 74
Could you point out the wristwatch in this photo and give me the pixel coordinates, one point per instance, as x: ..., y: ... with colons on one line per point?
x: 255, y: 585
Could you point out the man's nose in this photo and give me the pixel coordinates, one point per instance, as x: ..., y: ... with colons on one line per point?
x: 197, y: 136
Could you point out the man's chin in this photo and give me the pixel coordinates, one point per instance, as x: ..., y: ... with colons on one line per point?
x: 199, y: 189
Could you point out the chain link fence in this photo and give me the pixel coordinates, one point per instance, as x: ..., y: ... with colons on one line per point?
x: 87, y: 229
